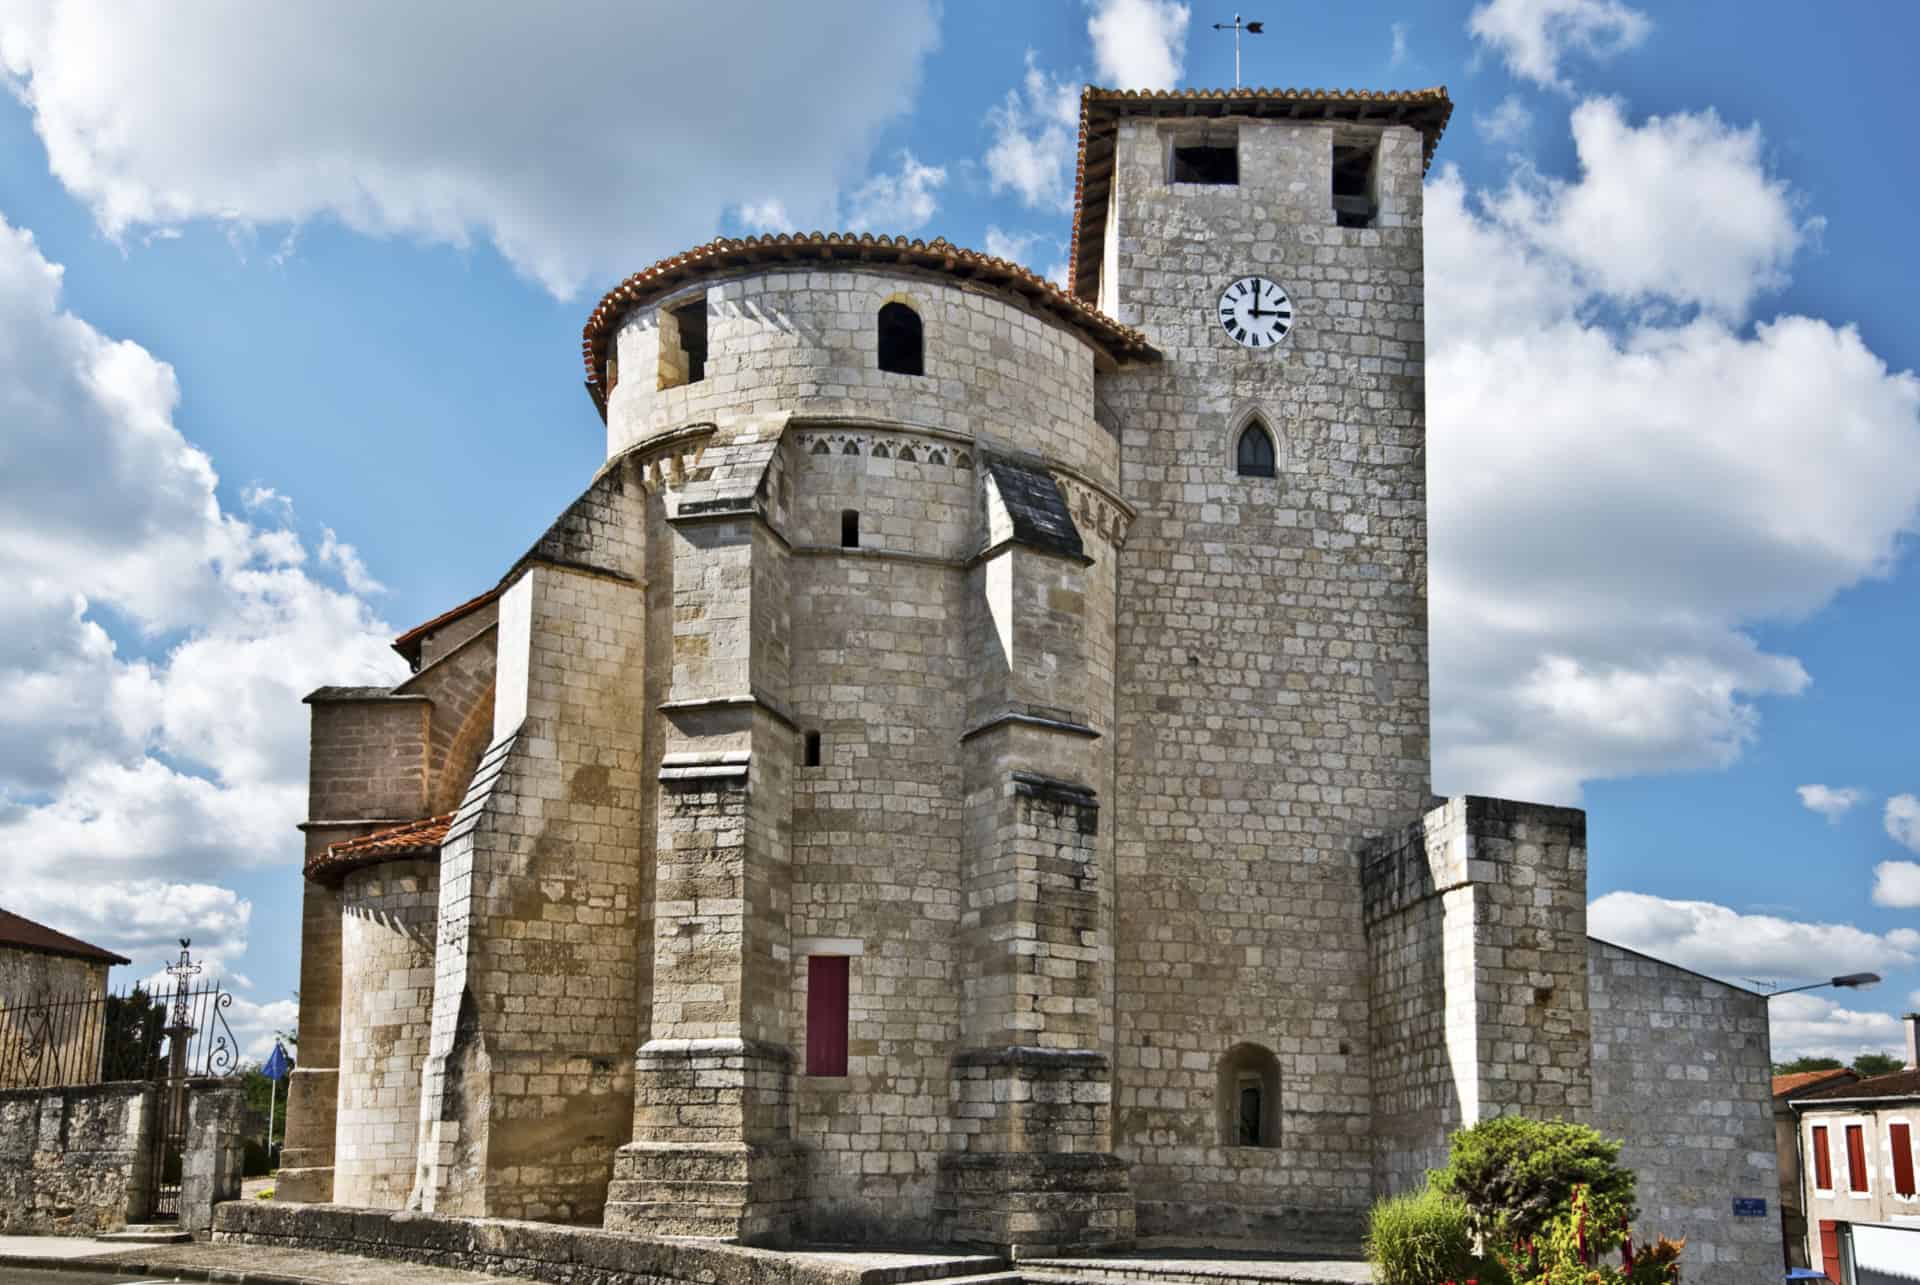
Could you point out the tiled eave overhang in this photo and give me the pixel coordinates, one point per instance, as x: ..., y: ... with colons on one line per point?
x: 1101, y: 109
x: 408, y: 841
x: 833, y: 248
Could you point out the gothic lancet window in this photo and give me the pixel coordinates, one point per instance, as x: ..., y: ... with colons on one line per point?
x: 1253, y: 453
x: 902, y: 342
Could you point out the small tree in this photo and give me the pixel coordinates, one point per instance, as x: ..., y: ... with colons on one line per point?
x: 1516, y: 1175
x: 1868, y: 1065
x: 1801, y: 1064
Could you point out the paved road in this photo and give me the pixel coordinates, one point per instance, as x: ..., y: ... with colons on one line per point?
x: 47, y: 1276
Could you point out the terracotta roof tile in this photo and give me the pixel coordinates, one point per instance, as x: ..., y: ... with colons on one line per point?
x: 1100, y: 109
x: 406, y: 841
x: 21, y: 933
x: 410, y: 643
x: 1803, y: 1079
x: 1898, y: 1084
x: 845, y: 247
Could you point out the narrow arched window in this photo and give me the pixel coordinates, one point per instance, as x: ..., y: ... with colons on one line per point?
x: 1247, y: 1101
x: 1253, y: 454
x: 902, y: 346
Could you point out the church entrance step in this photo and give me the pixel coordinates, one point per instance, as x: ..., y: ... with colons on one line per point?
x: 147, y: 1234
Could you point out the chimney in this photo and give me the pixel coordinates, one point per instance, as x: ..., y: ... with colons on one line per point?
x: 1913, y: 1041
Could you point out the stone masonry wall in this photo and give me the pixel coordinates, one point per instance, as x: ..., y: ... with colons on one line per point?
x: 805, y: 341
x: 74, y: 1161
x: 1272, y: 664
x: 1682, y: 1072
x: 386, y: 994
x: 1476, y: 927
x: 29, y: 977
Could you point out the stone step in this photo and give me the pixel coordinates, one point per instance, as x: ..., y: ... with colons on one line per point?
x: 147, y: 1234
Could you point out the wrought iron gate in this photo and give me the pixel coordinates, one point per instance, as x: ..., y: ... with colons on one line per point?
x: 198, y: 1044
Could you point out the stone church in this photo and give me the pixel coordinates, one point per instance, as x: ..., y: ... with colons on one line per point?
x: 959, y: 772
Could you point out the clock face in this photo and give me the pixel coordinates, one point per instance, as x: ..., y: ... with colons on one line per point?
x: 1256, y: 312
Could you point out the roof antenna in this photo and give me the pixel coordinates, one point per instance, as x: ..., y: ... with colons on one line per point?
x: 1236, y: 27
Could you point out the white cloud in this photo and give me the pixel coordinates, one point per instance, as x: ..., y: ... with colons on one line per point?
x: 1532, y: 36
x: 1019, y: 247
x: 560, y: 143
x: 1509, y: 122
x: 1812, y: 1025
x: 154, y: 647
x: 1399, y: 53
x: 1829, y: 802
x: 1620, y: 490
x: 1679, y: 209
x: 1138, y: 44
x: 896, y: 203
x: 1902, y: 819
x: 768, y: 215
x: 1033, y: 140
x: 1721, y: 942
x: 343, y: 557
x: 1897, y: 884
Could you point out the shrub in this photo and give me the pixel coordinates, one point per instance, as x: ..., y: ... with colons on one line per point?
x: 1516, y: 1175
x: 1424, y: 1238
x: 1567, y: 1252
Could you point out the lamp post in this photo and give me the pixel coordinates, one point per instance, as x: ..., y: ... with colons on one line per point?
x: 1850, y: 981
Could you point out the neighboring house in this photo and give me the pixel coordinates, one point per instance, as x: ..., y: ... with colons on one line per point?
x: 37, y: 965
x: 1860, y: 1151
x: 1786, y: 1137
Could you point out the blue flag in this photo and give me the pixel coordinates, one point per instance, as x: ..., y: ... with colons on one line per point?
x: 278, y: 1064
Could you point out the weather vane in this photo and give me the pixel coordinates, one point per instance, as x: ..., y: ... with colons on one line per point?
x: 1236, y: 27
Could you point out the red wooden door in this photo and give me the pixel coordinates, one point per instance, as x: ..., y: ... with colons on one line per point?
x: 826, y: 1015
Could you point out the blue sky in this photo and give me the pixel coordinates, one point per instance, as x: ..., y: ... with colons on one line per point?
x: 308, y: 373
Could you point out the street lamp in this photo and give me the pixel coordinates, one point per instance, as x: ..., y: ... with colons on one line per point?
x: 1849, y: 982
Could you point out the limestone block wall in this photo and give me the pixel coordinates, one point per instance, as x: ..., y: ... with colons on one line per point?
x: 214, y: 1152
x: 76, y: 1160
x: 368, y: 755
x: 805, y: 341
x: 1271, y: 668
x: 386, y: 966
x: 29, y: 977
x: 1476, y: 930
x: 1682, y: 1073
x: 528, y: 1085
x: 459, y: 682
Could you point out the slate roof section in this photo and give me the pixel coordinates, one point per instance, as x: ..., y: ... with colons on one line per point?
x: 1898, y: 1084
x: 408, y: 841
x: 17, y: 932
x: 1101, y: 109
x: 1034, y: 502
x: 847, y: 249
x: 1800, y: 1082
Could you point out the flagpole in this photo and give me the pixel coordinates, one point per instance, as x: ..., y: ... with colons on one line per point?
x: 273, y: 1100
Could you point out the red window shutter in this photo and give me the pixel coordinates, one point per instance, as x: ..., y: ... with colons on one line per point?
x: 1856, y: 1158
x: 1822, y: 1159
x: 1830, y: 1250
x: 1900, y: 1142
x: 826, y: 1015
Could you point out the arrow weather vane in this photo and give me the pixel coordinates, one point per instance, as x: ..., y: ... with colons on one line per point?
x: 1236, y: 27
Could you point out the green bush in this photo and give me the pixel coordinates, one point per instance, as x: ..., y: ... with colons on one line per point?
x: 1425, y: 1238
x: 1515, y: 1175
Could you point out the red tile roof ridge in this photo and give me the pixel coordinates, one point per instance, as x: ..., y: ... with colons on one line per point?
x: 1801, y: 1079
x: 939, y: 253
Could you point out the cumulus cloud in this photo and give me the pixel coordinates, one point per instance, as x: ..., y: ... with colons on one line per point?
x: 769, y: 215
x: 1722, y: 942
x: 1398, y: 54
x: 900, y: 202
x: 1902, y: 819
x: 1138, y: 44
x: 1623, y: 481
x: 459, y: 123
x: 1897, y: 884
x: 1031, y: 249
x: 1829, y: 802
x: 1812, y: 1025
x: 154, y: 647
x: 1533, y: 36
x: 1509, y: 122
x: 1034, y: 129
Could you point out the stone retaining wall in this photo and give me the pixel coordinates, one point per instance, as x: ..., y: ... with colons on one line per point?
x: 76, y: 1160
x: 537, y: 1251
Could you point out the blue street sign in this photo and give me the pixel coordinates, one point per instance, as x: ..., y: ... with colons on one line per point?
x: 1749, y: 1207
x: 279, y: 1064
